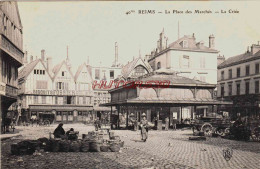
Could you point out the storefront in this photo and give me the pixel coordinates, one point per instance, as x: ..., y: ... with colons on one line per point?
x: 64, y: 113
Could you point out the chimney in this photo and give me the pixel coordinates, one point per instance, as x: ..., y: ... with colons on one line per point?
x: 49, y: 64
x: 255, y: 48
x: 43, y: 55
x: 116, y: 53
x: 220, y: 59
x: 211, y: 41
x: 25, y: 60
x: 31, y: 58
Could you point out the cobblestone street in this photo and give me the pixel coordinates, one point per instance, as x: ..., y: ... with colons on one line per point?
x: 165, y: 149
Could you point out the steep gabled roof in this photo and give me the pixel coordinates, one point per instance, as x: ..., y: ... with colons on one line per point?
x: 57, y: 68
x: 24, y: 72
x: 80, y: 69
x: 192, y: 45
x: 128, y: 68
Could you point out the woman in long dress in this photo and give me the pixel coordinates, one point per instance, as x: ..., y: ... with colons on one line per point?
x: 144, y: 128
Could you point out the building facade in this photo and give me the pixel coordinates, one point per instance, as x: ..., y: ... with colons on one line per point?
x: 188, y: 57
x: 11, y: 54
x: 62, y: 97
x: 239, y: 81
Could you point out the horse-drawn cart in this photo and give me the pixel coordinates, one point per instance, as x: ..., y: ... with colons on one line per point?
x: 210, y: 125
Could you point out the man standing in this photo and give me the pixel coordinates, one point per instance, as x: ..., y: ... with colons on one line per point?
x: 166, y: 123
x: 144, y: 128
x: 174, y: 123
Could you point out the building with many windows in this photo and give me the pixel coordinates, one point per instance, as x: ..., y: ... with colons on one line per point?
x: 238, y: 81
x: 189, y: 58
x: 58, y: 94
x: 11, y: 54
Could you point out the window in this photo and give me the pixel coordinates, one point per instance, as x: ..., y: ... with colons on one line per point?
x: 97, y: 74
x: 43, y: 72
x: 202, y: 62
x: 247, y: 70
x: 139, y: 71
x: 35, y: 71
x: 247, y: 87
x: 63, y: 73
x: 80, y: 100
x: 79, y: 113
x: 230, y: 89
x: 60, y: 101
x: 222, y: 75
x: 238, y: 89
x: 59, y: 85
x: 256, y: 68
x: 43, y: 99
x: 230, y: 73
x: 238, y: 72
x: 69, y: 99
x: 111, y: 74
x: 40, y: 72
x: 35, y: 99
x: 256, y: 86
x: 186, y: 61
x: 159, y: 65
x: 222, y: 91
x: 185, y: 44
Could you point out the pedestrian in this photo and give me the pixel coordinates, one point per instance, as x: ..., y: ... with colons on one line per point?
x: 174, y: 123
x: 33, y: 119
x: 59, y: 132
x: 166, y: 123
x: 144, y: 127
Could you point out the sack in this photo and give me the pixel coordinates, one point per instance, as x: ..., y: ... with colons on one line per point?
x: 55, y: 146
x: 75, y: 146
x: 94, y: 146
x: 45, y: 144
x: 84, y: 146
x: 104, y: 148
x: 64, y: 146
x: 115, y: 147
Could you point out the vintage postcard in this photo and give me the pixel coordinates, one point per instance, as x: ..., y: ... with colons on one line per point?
x: 130, y: 84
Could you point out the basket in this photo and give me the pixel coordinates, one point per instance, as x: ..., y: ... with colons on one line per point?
x: 94, y: 146
x: 115, y: 147
x: 75, y: 146
x: 64, y: 146
x: 84, y: 146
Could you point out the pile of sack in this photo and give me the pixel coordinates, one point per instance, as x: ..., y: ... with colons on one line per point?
x: 92, y: 142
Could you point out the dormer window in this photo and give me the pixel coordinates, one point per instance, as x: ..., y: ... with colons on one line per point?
x: 185, y: 44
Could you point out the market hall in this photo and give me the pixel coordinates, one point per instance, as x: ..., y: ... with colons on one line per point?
x: 183, y: 98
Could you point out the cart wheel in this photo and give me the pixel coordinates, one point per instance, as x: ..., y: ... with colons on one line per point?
x: 207, y: 129
x: 221, y: 132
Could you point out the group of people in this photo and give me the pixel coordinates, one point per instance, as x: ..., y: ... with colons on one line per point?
x: 59, y: 132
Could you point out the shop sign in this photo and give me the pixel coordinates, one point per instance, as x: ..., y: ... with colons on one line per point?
x: 59, y: 92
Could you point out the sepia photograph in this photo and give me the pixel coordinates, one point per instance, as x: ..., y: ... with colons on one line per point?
x: 129, y: 84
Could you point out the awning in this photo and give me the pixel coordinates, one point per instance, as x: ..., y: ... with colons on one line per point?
x: 102, y: 108
x: 60, y: 108
x: 172, y: 102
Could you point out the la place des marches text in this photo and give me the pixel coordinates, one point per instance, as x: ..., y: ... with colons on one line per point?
x: 130, y: 84
x: 222, y: 11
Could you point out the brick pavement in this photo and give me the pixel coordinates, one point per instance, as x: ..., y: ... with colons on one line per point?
x: 165, y: 149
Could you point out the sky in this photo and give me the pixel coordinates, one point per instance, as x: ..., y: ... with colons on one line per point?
x: 91, y: 28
